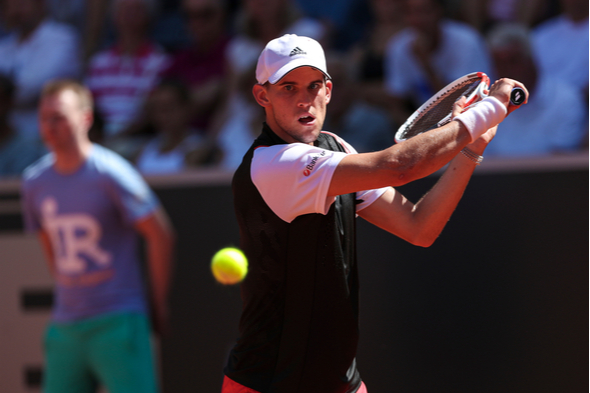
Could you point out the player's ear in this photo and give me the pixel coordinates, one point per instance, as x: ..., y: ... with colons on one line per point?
x: 328, y: 90
x: 261, y: 95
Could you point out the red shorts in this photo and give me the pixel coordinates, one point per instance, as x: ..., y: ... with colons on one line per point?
x: 230, y: 386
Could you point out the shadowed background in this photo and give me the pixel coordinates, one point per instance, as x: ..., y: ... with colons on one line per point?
x: 498, y: 303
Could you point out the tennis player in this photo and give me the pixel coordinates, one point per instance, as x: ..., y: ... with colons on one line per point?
x: 296, y: 195
x: 87, y: 205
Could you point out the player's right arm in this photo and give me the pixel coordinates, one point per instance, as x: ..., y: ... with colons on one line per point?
x: 402, y: 163
x: 413, y: 159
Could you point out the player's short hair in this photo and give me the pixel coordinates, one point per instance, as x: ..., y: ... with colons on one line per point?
x: 58, y: 85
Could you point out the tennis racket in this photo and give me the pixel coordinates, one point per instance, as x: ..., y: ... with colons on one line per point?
x: 437, y: 111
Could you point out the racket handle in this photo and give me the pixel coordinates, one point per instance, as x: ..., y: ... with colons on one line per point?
x: 517, y: 96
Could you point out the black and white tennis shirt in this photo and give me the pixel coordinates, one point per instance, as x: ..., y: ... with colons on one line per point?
x: 299, y: 323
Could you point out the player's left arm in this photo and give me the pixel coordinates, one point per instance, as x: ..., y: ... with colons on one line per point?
x: 159, y: 237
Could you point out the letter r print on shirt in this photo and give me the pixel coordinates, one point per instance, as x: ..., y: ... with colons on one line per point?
x: 73, y: 235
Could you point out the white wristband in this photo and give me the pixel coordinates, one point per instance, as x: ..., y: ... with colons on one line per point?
x: 486, y: 114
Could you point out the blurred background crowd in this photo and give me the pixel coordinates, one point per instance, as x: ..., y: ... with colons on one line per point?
x: 172, y: 79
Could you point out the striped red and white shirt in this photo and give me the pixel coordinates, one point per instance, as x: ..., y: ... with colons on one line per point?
x: 120, y: 83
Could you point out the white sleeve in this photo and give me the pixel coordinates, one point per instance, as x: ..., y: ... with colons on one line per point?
x: 294, y: 179
x: 365, y: 198
x: 52, y: 53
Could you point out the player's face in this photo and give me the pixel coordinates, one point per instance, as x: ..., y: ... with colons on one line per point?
x: 297, y: 104
x: 62, y: 120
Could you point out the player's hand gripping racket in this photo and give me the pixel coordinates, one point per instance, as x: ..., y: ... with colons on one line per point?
x: 437, y: 111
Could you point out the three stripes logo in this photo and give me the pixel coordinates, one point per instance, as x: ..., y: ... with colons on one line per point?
x: 517, y: 96
x: 297, y: 51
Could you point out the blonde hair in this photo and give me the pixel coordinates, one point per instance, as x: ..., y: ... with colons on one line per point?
x: 56, y: 86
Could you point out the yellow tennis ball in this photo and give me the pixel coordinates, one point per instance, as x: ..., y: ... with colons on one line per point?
x: 229, y: 265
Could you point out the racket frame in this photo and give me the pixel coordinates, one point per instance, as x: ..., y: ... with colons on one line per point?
x: 475, y: 96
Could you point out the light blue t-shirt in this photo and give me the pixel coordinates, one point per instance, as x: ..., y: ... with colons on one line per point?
x: 89, y: 216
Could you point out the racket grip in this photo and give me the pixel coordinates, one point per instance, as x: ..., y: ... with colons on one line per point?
x: 517, y: 96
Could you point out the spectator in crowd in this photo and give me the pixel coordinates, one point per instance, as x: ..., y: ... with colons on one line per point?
x: 561, y: 44
x: 485, y: 14
x: 202, y: 66
x: 94, y: 27
x: 3, y: 24
x: 553, y: 119
x: 561, y: 47
x: 16, y: 152
x: 430, y: 53
x: 169, y: 112
x: 369, y: 53
x: 122, y: 76
x: 345, y: 20
x: 258, y: 21
x: 87, y: 17
x: 37, y: 50
x: 70, y: 12
x: 169, y: 28
x: 365, y: 126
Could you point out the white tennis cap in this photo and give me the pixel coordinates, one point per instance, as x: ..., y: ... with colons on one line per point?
x: 286, y: 53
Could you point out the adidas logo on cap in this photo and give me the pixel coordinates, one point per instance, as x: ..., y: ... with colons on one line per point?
x: 297, y: 51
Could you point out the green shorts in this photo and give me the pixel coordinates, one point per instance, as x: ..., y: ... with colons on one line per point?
x: 113, y: 351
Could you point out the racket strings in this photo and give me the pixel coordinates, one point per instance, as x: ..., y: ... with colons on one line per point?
x: 430, y: 116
